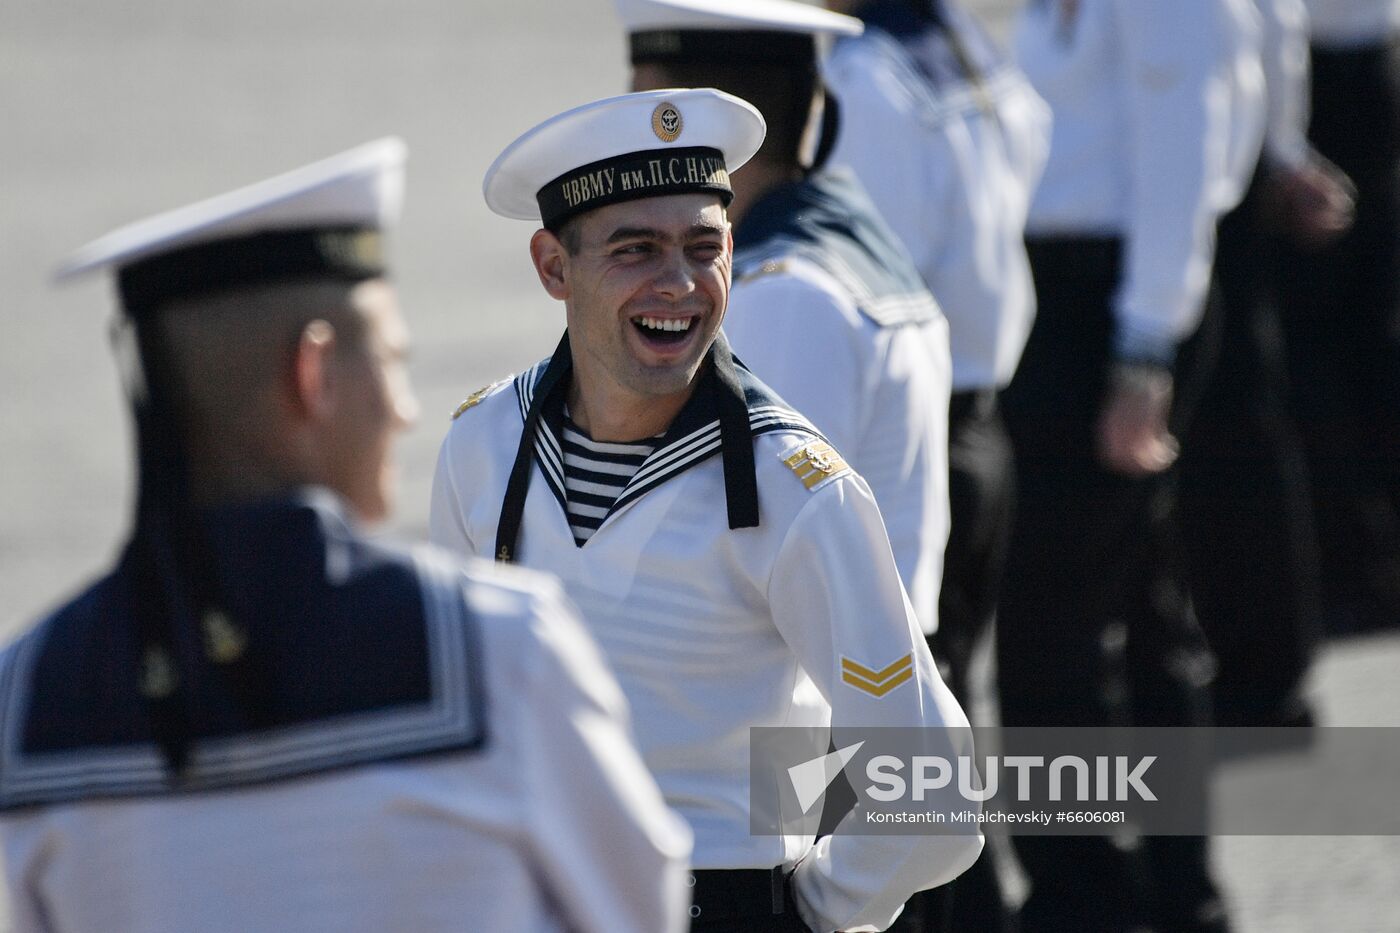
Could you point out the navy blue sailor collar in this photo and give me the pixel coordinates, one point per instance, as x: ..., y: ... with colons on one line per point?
x: 358, y: 652
x: 828, y: 218
x: 900, y: 17
x: 728, y: 408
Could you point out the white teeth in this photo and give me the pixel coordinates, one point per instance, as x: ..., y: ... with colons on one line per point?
x: 656, y: 323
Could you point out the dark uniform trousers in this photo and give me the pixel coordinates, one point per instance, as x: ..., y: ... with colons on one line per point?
x: 1245, y: 507
x: 1341, y: 316
x: 757, y: 901
x: 1095, y: 626
x: 981, y: 493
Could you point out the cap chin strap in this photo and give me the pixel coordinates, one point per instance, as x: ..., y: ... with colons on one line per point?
x: 175, y: 581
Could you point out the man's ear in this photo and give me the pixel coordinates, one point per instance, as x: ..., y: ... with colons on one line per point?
x: 314, y: 378
x: 550, y: 259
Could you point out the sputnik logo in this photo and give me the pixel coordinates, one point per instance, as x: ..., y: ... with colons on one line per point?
x: 811, y: 778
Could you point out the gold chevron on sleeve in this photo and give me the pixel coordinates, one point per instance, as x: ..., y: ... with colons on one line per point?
x: 877, y: 683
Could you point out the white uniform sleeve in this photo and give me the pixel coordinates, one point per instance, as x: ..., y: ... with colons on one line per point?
x: 1286, y: 66
x: 1178, y: 107
x: 21, y: 846
x: 836, y: 597
x: 610, y: 851
x: 805, y: 343
x: 446, y: 525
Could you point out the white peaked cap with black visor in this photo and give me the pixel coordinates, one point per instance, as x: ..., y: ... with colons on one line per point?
x: 768, y: 32
x: 767, y: 15
x: 644, y: 145
x: 323, y: 219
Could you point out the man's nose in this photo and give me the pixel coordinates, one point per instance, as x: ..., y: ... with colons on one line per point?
x: 675, y: 278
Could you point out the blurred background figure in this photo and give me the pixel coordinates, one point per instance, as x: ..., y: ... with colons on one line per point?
x: 261, y: 720
x: 1340, y: 301
x: 1158, y: 119
x: 819, y: 278
x: 1245, y: 505
x: 949, y: 139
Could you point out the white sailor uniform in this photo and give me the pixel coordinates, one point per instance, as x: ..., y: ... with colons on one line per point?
x: 1353, y: 24
x: 1130, y: 83
x: 951, y: 159
x: 713, y: 630
x: 451, y: 753
x: 828, y: 310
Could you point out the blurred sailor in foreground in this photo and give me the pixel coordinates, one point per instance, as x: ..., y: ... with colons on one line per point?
x: 817, y: 274
x: 260, y: 720
x: 734, y: 569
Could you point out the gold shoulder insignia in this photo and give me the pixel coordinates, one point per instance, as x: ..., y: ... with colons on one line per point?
x: 877, y: 683
x: 815, y: 463
x: 770, y: 267
x: 475, y: 398
x: 224, y: 642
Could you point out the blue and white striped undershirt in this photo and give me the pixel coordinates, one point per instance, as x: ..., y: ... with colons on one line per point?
x: 595, y: 473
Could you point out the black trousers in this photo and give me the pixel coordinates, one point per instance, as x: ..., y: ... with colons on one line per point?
x: 982, y: 495
x: 1095, y: 625
x: 981, y: 491
x: 1245, y: 506
x: 759, y: 901
x: 1341, y: 316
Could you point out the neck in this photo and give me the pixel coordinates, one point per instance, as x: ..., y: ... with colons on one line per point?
x: 228, y: 473
x: 759, y: 177
x: 609, y: 413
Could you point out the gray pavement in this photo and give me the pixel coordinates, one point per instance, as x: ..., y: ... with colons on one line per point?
x: 109, y: 112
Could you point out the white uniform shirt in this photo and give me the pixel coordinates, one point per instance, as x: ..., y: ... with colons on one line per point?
x: 1159, y: 116
x: 1285, y: 54
x: 554, y: 825
x: 954, y: 181
x: 712, y: 631
x: 1343, y: 24
x: 879, y: 394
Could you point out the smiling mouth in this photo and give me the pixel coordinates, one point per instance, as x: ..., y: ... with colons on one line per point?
x: 663, y: 330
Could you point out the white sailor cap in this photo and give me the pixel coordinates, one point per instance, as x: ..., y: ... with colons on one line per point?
x: 645, y: 145
x: 324, y: 219
x: 723, y: 30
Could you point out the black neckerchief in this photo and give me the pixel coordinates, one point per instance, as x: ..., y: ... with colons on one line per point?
x: 719, y: 392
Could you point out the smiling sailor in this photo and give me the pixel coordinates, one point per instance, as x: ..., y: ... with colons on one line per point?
x: 728, y: 561
x: 260, y: 720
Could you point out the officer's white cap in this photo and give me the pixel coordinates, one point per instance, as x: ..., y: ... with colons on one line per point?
x: 537, y: 176
x: 761, y: 15
x: 357, y: 190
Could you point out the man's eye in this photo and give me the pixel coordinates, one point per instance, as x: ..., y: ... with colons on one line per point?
x: 633, y: 249
x: 707, y: 250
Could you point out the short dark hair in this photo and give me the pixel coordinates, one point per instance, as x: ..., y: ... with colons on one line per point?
x: 569, y: 234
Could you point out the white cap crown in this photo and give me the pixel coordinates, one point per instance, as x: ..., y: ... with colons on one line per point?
x: 648, y: 144
x: 362, y: 187
x: 769, y: 15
